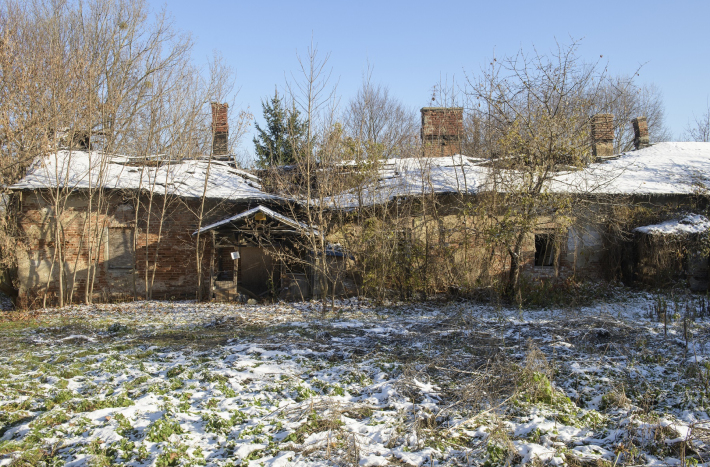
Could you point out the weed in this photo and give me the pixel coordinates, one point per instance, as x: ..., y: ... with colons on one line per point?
x: 216, y: 424
x: 50, y: 419
x: 359, y: 413
x: 315, y: 424
x: 211, y: 403
x: 142, y: 453
x: 130, y: 385
x: 118, y: 328
x: 500, y: 450
x: 162, y: 429
x: 103, y: 455
x: 124, y: 426
x: 615, y: 399
x: 126, y: 447
x: 176, y: 384
x: 61, y: 397
x: 226, y: 390
x: 89, y: 405
x: 33, y: 457
x: 175, y: 371
x: 213, y: 377
x: 303, y: 393
x: 252, y: 456
x: 496, y: 455
x: 172, y: 455
x: 71, y: 372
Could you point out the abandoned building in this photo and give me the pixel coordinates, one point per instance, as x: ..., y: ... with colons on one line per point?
x: 671, y: 251
x: 111, y: 227
x: 668, y: 179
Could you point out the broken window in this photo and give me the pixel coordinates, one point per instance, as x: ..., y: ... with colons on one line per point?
x: 544, y: 249
x: 120, y: 248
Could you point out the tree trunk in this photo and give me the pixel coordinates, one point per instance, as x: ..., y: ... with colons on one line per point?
x: 515, y: 266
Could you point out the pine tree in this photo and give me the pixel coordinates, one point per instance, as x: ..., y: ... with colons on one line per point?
x: 284, y: 136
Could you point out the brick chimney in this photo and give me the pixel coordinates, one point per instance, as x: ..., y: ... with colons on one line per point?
x: 442, y: 131
x: 640, y: 132
x: 220, y: 130
x: 603, y: 135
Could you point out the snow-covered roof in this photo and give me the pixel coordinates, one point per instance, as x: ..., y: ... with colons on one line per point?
x: 268, y: 212
x: 661, y: 169
x: 690, y: 224
x: 412, y: 177
x: 186, y: 178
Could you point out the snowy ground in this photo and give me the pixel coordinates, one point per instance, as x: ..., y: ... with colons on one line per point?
x: 435, y: 383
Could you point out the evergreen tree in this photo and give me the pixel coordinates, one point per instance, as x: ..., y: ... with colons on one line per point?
x: 284, y: 136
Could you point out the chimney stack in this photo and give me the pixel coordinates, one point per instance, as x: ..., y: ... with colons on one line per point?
x: 640, y: 132
x: 603, y: 135
x: 220, y: 130
x: 442, y: 131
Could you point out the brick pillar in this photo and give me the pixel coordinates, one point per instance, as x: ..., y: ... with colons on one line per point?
x: 442, y: 131
x: 220, y: 129
x: 603, y: 135
x: 640, y: 132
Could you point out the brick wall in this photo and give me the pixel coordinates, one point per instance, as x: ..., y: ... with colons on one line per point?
x: 455, y: 250
x: 175, y: 268
x: 220, y: 129
x: 602, y: 132
x: 442, y: 131
x: 640, y: 126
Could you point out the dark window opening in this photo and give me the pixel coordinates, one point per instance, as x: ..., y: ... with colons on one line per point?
x: 544, y: 250
x: 120, y: 248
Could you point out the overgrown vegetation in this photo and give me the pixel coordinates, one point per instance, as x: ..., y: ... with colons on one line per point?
x: 615, y: 381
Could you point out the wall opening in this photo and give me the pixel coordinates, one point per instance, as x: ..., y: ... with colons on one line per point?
x: 544, y: 250
x: 120, y: 249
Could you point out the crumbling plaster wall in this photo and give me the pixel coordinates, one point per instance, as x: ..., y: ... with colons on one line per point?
x: 458, y: 255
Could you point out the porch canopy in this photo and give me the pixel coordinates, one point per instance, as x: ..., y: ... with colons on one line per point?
x: 258, y: 252
x: 261, y: 221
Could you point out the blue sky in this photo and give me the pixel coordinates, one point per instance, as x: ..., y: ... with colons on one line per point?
x: 416, y: 44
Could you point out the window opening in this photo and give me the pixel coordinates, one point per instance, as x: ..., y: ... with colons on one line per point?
x: 544, y: 250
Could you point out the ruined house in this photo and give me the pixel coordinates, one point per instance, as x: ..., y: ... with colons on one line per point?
x: 107, y: 227
x: 662, y: 181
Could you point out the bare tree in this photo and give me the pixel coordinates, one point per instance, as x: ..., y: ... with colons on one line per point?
x: 105, y: 78
x: 311, y: 90
x: 220, y: 84
x: 376, y: 117
x: 620, y: 96
x: 537, y: 111
x: 699, y: 129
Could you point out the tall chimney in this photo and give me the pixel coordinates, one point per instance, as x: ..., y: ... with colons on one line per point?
x: 640, y: 132
x: 220, y: 129
x: 603, y: 135
x: 442, y: 131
